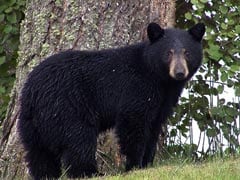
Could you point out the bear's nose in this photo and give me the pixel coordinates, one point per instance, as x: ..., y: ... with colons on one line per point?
x: 179, y: 76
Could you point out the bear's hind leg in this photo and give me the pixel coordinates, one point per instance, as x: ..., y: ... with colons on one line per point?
x: 43, y: 164
x: 149, y: 153
x: 79, y: 157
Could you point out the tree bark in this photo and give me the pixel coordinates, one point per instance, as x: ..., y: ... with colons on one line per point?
x: 52, y: 26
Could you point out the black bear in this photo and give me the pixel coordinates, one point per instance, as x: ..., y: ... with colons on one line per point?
x: 73, y: 96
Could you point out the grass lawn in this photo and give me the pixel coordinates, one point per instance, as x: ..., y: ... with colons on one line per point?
x: 215, y: 170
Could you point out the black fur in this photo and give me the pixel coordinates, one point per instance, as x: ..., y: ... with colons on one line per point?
x: 73, y: 96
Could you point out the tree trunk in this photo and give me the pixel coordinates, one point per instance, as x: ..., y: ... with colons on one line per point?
x: 53, y: 26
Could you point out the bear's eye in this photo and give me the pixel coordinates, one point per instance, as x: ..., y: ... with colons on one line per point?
x: 186, y: 53
x: 170, y: 53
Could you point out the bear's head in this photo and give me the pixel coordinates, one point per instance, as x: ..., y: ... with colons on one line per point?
x: 174, y: 54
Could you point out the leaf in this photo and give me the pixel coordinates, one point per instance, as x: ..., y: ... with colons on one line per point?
x: 2, y: 17
x: 2, y: 8
x: 11, y: 2
x: 237, y: 28
x: 2, y: 60
x: 195, y: 2
x: 217, y: 111
x: 202, y: 125
x: 220, y: 89
x: 183, y: 129
x: 1, y: 49
x: 21, y: 3
x: 188, y: 15
x: 8, y: 29
x: 12, y: 18
x: 223, y: 9
x: 214, y: 51
x: 204, y: 1
x: 231, y: 22
x: 235, y: 68
x: 229, y: 119
x: 2, y: 90
x: 173, y: 133
x: 211, y: 132
x: 224, y: 76
x: 237, y: 90
x: 214, y: 111
x: 224, y: 26
x: 8, y: 10
x: 226, y: 131
x: 230, y: 83
x: 230, y: 111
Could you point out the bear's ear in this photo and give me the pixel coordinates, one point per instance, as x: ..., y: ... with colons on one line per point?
x: 154, y: 32
x: 197, y: 31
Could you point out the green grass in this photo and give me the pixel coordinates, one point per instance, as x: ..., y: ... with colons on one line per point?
x: 228, y: 169
x: 214, y: 170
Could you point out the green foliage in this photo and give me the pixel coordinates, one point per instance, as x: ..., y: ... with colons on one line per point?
x: 217, y: 115
x: 11, y: 14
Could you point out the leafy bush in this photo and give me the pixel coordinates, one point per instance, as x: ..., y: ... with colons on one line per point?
x: 206, y: 102
x: 11, y: 14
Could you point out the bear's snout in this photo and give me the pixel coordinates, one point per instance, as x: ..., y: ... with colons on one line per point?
x: 178, y: 68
